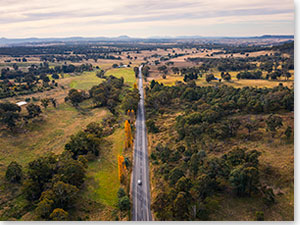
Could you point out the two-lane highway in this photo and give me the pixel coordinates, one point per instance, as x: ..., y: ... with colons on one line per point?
x: 140, y: 192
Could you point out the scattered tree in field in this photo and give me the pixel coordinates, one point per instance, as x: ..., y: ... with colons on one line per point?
x: 33, y: 110
x: 209, y: 77
x: 54, y: 102
x: 14, y: 172
x: 45, y: 102
x: 251, y: 125
x: 9, y: 114
x: 75, y: 97
x: 226, y: 76
x: 288, y: 132
x: 128, y: 135
x: 273, y: 123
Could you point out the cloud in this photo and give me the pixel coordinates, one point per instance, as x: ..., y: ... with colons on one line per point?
x: 20, y: 18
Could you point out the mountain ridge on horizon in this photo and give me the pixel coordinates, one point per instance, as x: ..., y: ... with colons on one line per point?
x: 8, y: 41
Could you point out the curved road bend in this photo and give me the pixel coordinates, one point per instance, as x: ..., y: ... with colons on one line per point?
x: 140, y: 193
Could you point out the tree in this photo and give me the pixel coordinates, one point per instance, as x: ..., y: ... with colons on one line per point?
x: 175, y: 175
x: 75, y: 97
x: 288, y: 132
x: 181, y: 206
x: 71, y: 172
x: 136, y: 71
x: 121, y: 193
x: 82, y: 143
x: 124, y: 203
x: 128, y: 135
x: 65, y: 194
x: 161, y: 206
x: 183, y: 184
x: 273, y: 122
x: 55, y: 76
x: 95, y: 129
x: 59, y: 215
x: 44, y: 208
x: 54, y: 102
x: 9, y: 114
x: 251, y: 126
x: 244, y: 179
x: 14, y: 172
x: 33, y: 110
x: 45, y: 102
x: 151, y: 126
x: 42, y: 169
x: 260, y: 216
x: 121, y: 167
x: 131, y: 100
x: 227, y: 77
x: 209, y: 77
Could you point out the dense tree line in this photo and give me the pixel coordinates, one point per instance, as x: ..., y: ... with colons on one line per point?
x: 188, y: 178
x: 192, y: 178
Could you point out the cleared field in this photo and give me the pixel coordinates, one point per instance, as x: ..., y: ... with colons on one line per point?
x: 126, y: 73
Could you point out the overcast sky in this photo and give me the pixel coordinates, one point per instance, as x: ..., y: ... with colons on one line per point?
x: 144, y: 18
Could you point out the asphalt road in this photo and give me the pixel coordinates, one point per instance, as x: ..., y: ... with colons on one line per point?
x: 140, y: 193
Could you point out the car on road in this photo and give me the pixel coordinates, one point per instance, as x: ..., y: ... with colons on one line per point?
x: 139, y: 182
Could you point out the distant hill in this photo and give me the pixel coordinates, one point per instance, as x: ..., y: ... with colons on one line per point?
x: 125, y: 38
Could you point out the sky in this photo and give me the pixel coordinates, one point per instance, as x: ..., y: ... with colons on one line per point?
x: 145, y: 18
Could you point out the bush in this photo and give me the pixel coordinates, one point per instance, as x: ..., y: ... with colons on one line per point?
x: 260, y: 216
x: 121, y: 193
x: 59, y: 215
x: 124, y: 203
x: 151, y: 126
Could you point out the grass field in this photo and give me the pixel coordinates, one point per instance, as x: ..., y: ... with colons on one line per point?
x: 48, y: 135
x: 172, y: 78
x: 126, y: 73
x: 85, y: 81
x: 102, y: 176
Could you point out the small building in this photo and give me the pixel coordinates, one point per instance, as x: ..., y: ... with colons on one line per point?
x: 21, y: 103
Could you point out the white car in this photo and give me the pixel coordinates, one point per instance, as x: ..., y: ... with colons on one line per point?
x: 139, y: 182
